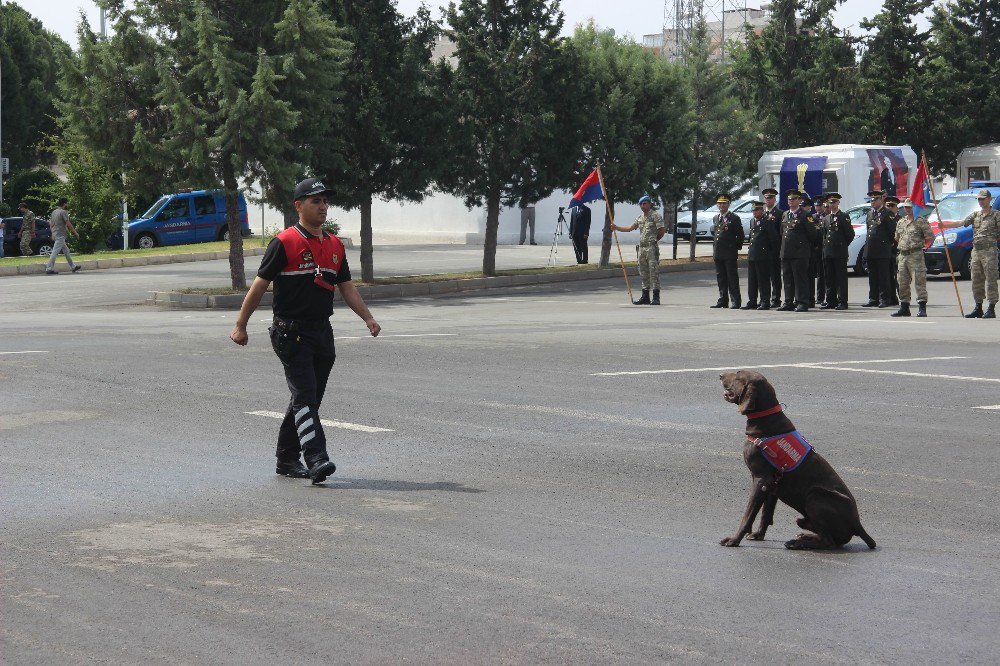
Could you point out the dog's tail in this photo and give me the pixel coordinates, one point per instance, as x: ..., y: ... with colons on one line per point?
x: 860, y: 531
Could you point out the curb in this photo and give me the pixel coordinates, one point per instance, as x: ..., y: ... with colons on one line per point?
x: 130, y: 262
x: 171, y: 299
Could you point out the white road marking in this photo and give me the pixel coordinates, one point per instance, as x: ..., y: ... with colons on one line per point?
x: 813, y: 364
x: 398, y: 335
x: 992, y: 380
x: 25, y: 352
x: 988, y: 407
x: 844, y: 319
x: 328, y: 423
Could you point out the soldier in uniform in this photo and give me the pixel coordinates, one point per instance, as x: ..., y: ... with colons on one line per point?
x: 651, y: 230
x: 816, y: 278
x: 27, y: 231
x: 764, y: 244
x: 892, y: 205
x: 797, y: 232
x: 772, y: 216
x: 878, y: 252
x: 837, y: 236
x: 985, y: 232
x: 911, y: 238
x: 727, y: 241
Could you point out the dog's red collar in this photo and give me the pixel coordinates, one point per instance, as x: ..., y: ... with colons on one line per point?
x: 766, y: 412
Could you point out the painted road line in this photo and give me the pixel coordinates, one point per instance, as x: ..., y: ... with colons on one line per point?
x: 24, y: 352
x: 997, y: 407
x: 963, y: 378
x: 32, y: 419
x: 840, y: 319
x: 398, y: 335
x: 327, y: 422
x: 812, y: 364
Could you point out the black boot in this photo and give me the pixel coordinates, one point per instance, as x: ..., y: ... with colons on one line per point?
x: 903, y: 311
x: 870, y: 304
x: 921, y: 308
x: 295, y: 469
x: 720, y: 304
x: 656, y: 297
x: 735, y: 305
x: 977, y: 313
x: 644, y: 299
x: 749, y: 306
x: 802, y: 307
x: 321, y: 470
x: 990, y: 312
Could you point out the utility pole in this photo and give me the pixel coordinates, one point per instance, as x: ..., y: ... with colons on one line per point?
x: 1, y: 111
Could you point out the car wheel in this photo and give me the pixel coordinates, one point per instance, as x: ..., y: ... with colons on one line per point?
x: 145, y: 241
x: 224, y: 235
x: 965, y: 270
x: 43, y: 248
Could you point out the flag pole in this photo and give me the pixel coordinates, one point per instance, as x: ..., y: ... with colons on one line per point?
x: 611, y: 216
x: 944, y: 243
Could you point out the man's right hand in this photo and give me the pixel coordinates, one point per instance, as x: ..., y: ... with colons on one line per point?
x: 239, y: 335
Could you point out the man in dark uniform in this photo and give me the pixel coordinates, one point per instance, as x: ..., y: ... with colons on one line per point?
x: 816, y: 277
x: 892, y: 205
x: 878, y: 251
x: 579, y: 230
x: 797, y: 232
x: 306, y: 265
x: 727, y: 241
x: 837, y: 236
x: 772, y: 216
x: 764, y: 245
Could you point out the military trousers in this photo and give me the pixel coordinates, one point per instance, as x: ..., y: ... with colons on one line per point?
x: 911, y: 268
x: 307, y: 354
x: 728, y: 279
x: 984, y: 274
x: 835, y: 276
x: 776, y: 280
x: 880, y: 281
x: 759, y: 282
x: 25, y: 245
x: 795, y: 276
x: 649, y: 266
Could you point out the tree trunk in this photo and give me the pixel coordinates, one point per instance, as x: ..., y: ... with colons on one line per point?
x: 289, y: 215
x: 694, y: 221
x: 367, y: 263
x: 237, y: 270
x: 492, y: 225
x: 609, y: 210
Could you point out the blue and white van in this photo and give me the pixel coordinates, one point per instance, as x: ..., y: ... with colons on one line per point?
x: 954, y: 208
x: 189, y: 216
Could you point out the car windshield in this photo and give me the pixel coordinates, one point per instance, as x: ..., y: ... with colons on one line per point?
x: 957, y: 208
x: 155, y: 207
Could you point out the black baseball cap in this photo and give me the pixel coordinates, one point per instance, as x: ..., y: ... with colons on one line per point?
x: 310, y: 187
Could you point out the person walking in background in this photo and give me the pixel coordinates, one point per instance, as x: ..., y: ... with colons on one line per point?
x: 579, y: 231
x: 59, y: 223
x: 27, y: 231
x: 527, y: 220
x: 911, y: 238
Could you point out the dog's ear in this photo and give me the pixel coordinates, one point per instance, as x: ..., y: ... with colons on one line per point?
x: 748, y: 398
x: 759, y: 396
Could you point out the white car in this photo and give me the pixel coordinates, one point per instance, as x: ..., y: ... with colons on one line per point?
x: 705, y: 231
x: 855, y: 252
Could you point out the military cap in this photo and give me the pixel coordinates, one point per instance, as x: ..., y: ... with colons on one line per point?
x: 876, y: 193
x: 722, y: 198
x: 644, y: 199
x: 984, y: 194
x: 833, y: 195
x: 757, y: 205
x: 906, y: 203
x: 769, y: 191
x: 310, y: 187
x: 793, y: 193
x: 806, y: 199
x: 892, y: 200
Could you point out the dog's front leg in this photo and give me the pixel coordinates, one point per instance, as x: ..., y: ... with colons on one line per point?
x: 766, y: 516
x: 757, y: 497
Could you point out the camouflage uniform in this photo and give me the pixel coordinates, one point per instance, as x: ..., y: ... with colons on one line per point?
x: 911, y: 237
x: 985, y: 229
x: 27, y: 226
x: 649, y: 251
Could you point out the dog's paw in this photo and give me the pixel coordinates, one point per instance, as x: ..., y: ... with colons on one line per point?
x: 756, y: 536
x: 730, y: 542
x: 795, y: 544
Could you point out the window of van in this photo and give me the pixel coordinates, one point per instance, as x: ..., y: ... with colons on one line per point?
x: 204, y: 205
x: 175, y: 209
x: 155, y: 207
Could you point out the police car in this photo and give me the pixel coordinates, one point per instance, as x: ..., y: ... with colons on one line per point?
x: 953, y: 209
x: 189, y: 216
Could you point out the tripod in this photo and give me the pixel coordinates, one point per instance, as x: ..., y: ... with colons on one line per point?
x: 554, y: 250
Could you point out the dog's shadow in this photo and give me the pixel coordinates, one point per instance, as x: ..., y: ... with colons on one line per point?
x: 851, y: 548
x: 395, y: 485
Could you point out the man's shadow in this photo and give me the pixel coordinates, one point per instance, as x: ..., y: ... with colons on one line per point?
x: 400, y: 486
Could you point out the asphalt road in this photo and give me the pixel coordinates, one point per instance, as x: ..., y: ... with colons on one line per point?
x: 523, y: 502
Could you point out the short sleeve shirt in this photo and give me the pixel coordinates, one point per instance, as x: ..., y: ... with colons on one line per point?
x: 985, y: 228
x: 912, y: 234
x: 648, y: 224
x: 297, y: 296
x: 58, y: 221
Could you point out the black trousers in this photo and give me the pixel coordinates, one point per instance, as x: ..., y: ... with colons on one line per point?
x: 307, y: 354
x: 795, y: 275
x: 728, y: 278
x: 759, y: 282
x: 835, y: 271
x: 580, y: 247
x: 820, y: 276
x: 880, y: 281
x: 776, y: 281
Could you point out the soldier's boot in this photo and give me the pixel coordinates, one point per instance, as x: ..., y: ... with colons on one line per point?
x: 921, y: 308
x: 802, y: 307
x: 870, y: 304
x: 903, y: 311
x: 644, y: 299
x: 656, y: 297
x: 749, y: 306
x: 990, y: 311
x: 720, y: 304
x: 977, y: 312
x: 735, y: 306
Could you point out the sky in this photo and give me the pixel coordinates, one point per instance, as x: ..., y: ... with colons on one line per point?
x: 634, y: 17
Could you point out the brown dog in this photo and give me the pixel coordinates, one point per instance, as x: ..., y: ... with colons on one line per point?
x: 786, y: 468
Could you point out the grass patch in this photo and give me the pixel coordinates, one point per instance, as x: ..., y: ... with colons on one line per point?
x: 213, y: 246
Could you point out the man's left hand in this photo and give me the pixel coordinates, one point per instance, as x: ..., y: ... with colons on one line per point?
x: 373, y: 327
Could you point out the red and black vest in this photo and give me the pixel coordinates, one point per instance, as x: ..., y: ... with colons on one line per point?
x: 304, y: 253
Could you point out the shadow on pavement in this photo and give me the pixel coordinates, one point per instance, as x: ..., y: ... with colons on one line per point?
x: 403, y: 486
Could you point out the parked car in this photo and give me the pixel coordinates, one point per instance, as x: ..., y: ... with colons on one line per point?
x: 954, y: 208
x: 40, y: 244
x: 855, y: 251
x: 189, y: 216
x: 705, y: 231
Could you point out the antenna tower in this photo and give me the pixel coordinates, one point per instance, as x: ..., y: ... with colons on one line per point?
x: 725, y: 18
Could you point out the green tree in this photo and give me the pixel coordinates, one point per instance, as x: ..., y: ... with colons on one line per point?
x: 506, y: 92
x: 962, y: 67
x: 636, y: 121
x: 29, y: 60
x: 390, y: 111
x: 725, y: 146
x: 28, y: 186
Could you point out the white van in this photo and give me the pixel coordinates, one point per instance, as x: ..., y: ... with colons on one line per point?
x: 978, y: 163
